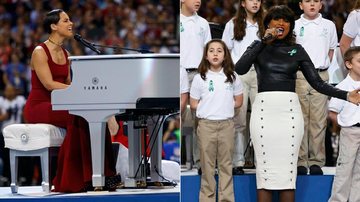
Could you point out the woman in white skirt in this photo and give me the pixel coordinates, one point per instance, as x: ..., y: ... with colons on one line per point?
x: 276, y: 123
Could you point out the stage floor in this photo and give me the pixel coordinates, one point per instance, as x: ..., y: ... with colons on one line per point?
x: 34, y: 193
x: 309, y: 188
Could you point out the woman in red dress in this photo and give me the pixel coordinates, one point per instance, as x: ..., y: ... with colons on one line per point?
x: 50, y: 71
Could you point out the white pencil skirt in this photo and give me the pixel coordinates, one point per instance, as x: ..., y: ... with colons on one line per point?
x: 277, y: 128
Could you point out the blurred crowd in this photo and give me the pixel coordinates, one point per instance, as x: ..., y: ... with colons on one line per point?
x: 221, y: 11
x: 135, y: 24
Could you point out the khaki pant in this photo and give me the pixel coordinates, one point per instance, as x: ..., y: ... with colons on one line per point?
x: 249, y: 82
x: 216, y: 143
x: 347, y: 178
x: 314, y: 108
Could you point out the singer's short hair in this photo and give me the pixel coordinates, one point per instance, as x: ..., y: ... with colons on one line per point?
x: 52, y: 17
x: 285, y: 13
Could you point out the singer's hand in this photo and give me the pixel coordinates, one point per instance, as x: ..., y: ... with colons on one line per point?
x: 270, y: 35
x: 354, y: 97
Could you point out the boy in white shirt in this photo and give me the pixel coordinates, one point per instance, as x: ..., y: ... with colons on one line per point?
x: 319, y: 38
x: 346, y: 181
x: 351, y: 31
x: 194, y: 34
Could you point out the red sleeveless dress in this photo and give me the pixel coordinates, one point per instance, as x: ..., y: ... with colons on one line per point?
x: 74, y: 168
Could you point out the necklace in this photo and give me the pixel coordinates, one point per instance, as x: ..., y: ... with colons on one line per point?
x: 53, y: 42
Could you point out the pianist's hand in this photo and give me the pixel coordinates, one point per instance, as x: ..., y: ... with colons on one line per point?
x: 113, y: 126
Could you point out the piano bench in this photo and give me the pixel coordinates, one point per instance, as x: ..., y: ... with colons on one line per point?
x: 41, y: 140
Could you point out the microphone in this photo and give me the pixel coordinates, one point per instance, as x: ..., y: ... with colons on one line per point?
x: 269, y: 36
x: 79, y: 38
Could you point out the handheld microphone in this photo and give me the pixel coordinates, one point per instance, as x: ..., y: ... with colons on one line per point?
x: 269, y: 36
x: 85, y: 43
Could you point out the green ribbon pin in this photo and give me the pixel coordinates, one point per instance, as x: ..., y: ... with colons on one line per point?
x: 302, y: 31
x: 292, y: 52
x: 211, y: 86
x: 181, y: 27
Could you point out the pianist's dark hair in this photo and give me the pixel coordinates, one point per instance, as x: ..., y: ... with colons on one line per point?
x: 52, y: 17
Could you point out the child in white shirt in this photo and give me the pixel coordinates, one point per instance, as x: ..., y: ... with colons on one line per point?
x: 194, y: 34
x: 239, y: 33
x: 346, y: 181
x: 313, y: 29
x: 351, y: 31
x: 215, y: 92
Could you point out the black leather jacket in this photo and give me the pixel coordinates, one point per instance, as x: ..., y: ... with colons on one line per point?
x: 276, y: 66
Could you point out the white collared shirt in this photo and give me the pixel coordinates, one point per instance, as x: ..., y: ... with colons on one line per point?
x: 194, y: 34
x: 184, y: 81
x: 352, y: 27
x: 237, y: 48
x: 348, y: 113
x: 216, y: 98
x: 317, y: 37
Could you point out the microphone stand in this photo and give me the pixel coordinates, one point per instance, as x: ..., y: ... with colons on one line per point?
x: 121, y: 48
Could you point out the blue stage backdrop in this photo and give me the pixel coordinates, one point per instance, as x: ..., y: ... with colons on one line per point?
x: 170, y: 197
x: 309, y: 188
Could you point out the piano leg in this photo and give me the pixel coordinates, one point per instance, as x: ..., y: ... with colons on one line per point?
x: 156, y: 145
x: 134, y: 156
x: 97, y: 123
x: 97, y: 136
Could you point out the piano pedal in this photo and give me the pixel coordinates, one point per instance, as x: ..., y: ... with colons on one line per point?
x: 158, y: 184
x: 120, y: 186
x: 98, y: 188
x: 141, y: 184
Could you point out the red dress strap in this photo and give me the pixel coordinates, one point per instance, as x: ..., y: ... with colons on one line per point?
x: 66, y: 55
x: 50, y: 60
